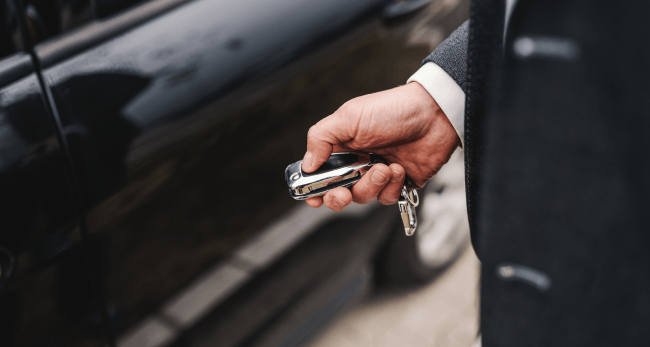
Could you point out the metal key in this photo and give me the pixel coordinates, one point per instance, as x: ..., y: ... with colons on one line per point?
x: 344, y: 170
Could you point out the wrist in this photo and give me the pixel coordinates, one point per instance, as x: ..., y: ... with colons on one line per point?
x: 429, y: 106
x: 446, y: 92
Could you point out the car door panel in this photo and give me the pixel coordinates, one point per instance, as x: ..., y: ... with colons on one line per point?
x: 202, y: 48
x: 180, y: 131
x: 45, y: 295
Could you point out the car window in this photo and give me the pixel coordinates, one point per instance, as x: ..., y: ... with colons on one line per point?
x: 48, y: 18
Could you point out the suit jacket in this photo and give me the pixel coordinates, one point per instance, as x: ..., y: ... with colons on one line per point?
x: 557, y: 164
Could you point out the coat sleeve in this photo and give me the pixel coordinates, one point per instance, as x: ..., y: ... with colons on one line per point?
x: 451, y: 55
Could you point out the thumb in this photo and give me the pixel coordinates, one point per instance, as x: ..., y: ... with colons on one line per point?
x: 321, y: 140
x: 318, y: 151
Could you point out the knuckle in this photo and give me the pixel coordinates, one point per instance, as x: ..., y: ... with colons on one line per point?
x: 311, y: 133
x: 348, y: 108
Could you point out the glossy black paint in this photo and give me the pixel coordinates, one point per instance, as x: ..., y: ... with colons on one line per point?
x: 180, y: 117
x: 45, y: 295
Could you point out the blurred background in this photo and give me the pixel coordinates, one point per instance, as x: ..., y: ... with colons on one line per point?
x: 142, y: 150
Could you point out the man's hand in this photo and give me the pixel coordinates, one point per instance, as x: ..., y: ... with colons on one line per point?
x: 405, y: 125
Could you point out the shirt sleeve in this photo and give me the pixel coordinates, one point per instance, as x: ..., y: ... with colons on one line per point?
x: 446, y: 92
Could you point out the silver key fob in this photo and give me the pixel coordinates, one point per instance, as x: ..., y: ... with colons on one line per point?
x: 340, y: 170
x: 344, y: 170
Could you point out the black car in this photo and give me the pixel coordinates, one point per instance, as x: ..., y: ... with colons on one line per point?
x: 142, y: 152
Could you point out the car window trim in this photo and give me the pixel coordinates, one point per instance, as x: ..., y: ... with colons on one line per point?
x: 15, y: 67
x: 77, y: 40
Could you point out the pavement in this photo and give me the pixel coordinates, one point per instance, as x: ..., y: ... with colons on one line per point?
x: 443, y: 313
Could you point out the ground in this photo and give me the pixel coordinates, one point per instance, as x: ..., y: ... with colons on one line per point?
x: 443, y: 313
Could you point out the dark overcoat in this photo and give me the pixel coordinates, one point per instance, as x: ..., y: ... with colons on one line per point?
x: 557, y: 151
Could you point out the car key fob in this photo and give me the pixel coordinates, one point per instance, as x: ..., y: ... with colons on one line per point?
x: 344, y: 170
x: 340, y: 170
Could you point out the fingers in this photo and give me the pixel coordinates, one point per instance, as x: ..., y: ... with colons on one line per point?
x: 338, y: 199
x: 390, y: 194
x: 315, y: 202
x: 371, y: 184
x: 382, y: 182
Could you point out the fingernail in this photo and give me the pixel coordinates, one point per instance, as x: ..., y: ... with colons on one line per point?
x: 378, y: 177
x: 306, y: 161
x: 398, y: 178
x: 338, y: 202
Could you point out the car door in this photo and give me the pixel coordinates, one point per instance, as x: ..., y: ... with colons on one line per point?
x: 181, y: 117
x: 46, y: 296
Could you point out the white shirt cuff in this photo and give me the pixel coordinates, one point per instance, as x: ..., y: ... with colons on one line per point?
x: 446, y: 92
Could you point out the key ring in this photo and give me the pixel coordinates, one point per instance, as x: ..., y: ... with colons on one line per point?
x: 408, y: 200
x: 411, y: 196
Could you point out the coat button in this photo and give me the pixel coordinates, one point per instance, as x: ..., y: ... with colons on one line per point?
x: 524, y: 274
x: 557, y: 48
